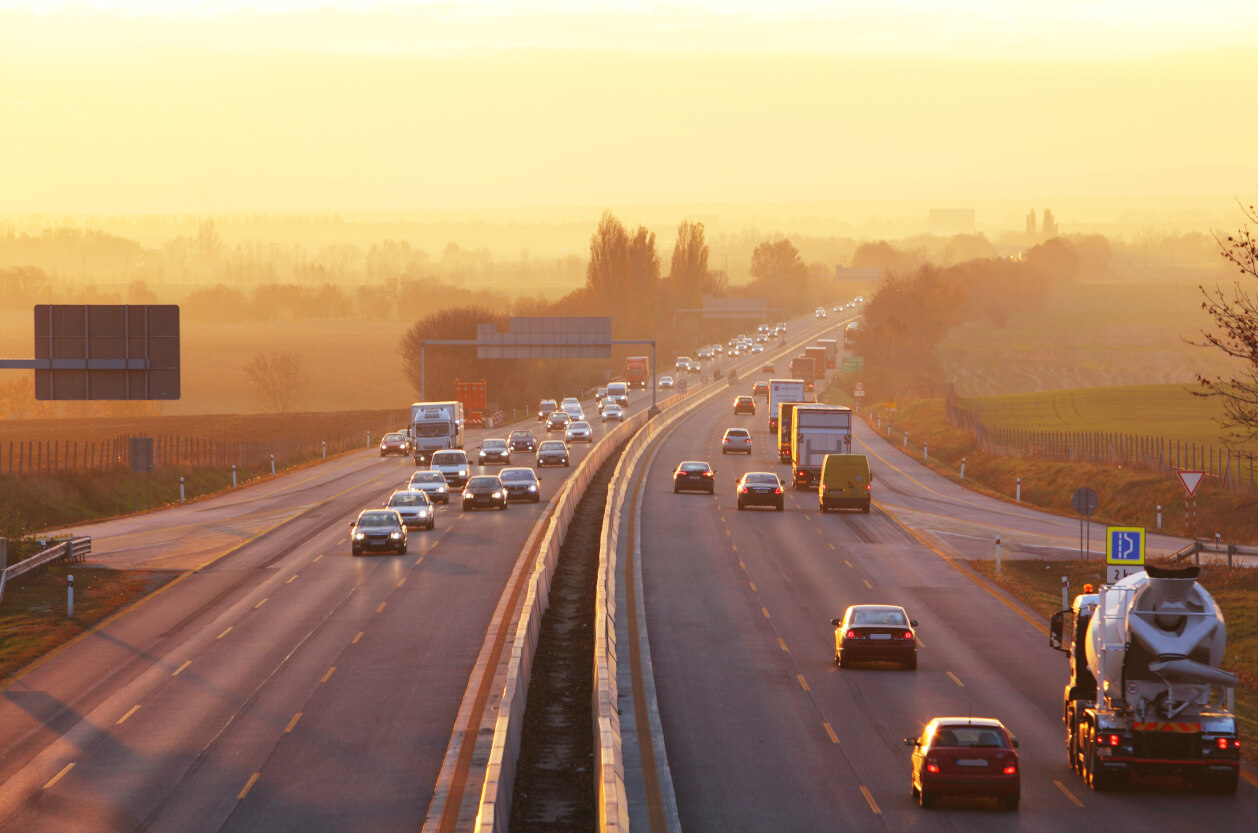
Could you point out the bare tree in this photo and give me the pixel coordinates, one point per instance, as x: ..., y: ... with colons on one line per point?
x: 1236, y: 334
x: 279, y: 380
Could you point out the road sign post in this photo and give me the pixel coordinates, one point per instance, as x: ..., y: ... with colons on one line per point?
x: 1124, y: 552
x: 1084, y: 502
x: 1191, y: 480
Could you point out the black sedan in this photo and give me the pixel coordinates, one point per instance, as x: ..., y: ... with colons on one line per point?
x: 760, y: 488
x: 694, y: 476
x: 484, y: 491
x: 557, y: 421
x: 552, y: 453
x: 522, y: 441
x: 377, y: 530
x: 744, y: 404
x: 521, y: 484
x: 494, y: 451
x: 875, y: 633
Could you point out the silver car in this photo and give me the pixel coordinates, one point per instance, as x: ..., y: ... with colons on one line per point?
x: 416, y: 509
x: 613, y: 413
x: 452, y: 463
x: 432, y: 483
x: 579, y: 432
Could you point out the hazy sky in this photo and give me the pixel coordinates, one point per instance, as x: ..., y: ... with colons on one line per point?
x: 115, y: 106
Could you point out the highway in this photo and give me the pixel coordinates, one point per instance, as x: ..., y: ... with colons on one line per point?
x: 279, y: 683
x: 764, y: 732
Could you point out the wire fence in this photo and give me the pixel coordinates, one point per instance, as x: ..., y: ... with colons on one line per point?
x: 1228, y: 468
x: 20, y: 458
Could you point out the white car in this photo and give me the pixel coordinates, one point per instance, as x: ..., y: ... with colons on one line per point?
x: 735, y: 440
x: 414, y: 507
x: 666, y: 382
x: 613, y: 412
x: 569, y: 400
x: 757, y: 348
x: 821, y: 312
x: 579, y: 432
x: 574, y: 412
x: 432, y: 483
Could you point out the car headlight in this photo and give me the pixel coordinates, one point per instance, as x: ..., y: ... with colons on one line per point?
x: 462, y: 472
x: 533, y: 488
x: 423, y: 513
x: 441, y: 489
x: 358, y: 536
x: 467, y: 495
x: 395, y: 535
x: 497, y: 494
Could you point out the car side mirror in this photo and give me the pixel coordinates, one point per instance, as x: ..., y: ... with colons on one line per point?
x: 836, y: 622
x: 353, y: 524
x: 1013, y: 742
x: 910, y: 741
x: 913, y: 623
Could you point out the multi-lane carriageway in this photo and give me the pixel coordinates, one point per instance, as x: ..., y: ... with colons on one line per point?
x: 279, y: 683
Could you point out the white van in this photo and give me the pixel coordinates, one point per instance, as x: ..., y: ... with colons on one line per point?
x: 453, y: 465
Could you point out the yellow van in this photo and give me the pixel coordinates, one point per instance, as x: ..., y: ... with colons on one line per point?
x: 845, y: 482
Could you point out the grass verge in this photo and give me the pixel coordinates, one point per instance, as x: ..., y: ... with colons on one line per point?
x: 1038, y: 584
x: 33, y: 617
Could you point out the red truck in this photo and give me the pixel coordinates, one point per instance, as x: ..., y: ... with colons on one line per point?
x: 637, y: 369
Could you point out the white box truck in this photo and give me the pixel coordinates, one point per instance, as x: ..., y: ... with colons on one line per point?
x: 434, y: 426
x: 817, y: 430
x: 783, y: 390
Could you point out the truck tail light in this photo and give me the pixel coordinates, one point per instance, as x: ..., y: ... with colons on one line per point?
x: 1114, y: 740
x: 869, y: 487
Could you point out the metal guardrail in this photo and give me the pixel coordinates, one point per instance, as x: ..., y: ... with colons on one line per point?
x: 1196, y: 548
x: 73, y: 550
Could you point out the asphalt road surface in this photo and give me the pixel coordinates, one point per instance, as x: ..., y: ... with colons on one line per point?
x: 765, y: 732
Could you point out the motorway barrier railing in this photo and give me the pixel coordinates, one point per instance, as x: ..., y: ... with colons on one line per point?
x: 1196, y: 548
x: 73, y: 549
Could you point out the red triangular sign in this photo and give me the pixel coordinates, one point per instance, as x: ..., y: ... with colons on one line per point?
x: 1191, y: 480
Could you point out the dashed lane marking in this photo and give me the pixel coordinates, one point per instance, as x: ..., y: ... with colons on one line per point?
x: 829, y: 731
x: 130, y: 712
x: 259, y: 604
x: 765, y: 611
x: 317, y: 557
x: 956, y: 680
x: 1059, y: 785
x: 328, y: 675
x: 848, y: 563
x: 224, y: 633
x: 831, y: 545
x: 292, y: 723
x: 419, y: 561
x: 53, y: 781
x: 753, y: 586
x: 291, y: 580
x: 782, y: 645
x: 253, y: 779
x: 354, y: 641
x: 742, y: 566
x: 734, y: 547
x: 873, y: 805
x: 382, y: 606
x: 802, y: 682
x: 401, y: 581
x: 180, y: 669
x: 865, y: 581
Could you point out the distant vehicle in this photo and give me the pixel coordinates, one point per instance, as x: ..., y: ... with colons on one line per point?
x: 453, y: 465
x: 831, y: 346
x: 804, y: 367
x: 395, y: 444
x: 557, y: 421
x: 783, y: 390
x: 377, y: 530
x: 666, y: 382
x: 552, y: 453
x: 694, y: 476
x: 762, y: 338
x: 762, y: 329
x: 781, y: 328
x: 614, y: 413
x: 620, y: 392
x: 605, y: 403
x: 767, y: 368
x: 637, y: 370
x: 569, y: 400
x: 484, y: 491
x: 579, y: 431
x: 574, y: 411
x: 431, y: 483
x: 869, y: 633
x: 521, y: 484
x: 414, y: 507
x: 760, y: 488
x: 546, y: 408
x: 785, y: 429
x: 850, y: 333
x: 736, y: 440
x: 522, y: 441
x: 845, y: 483
x: 493, y: 450
x: 705, y: 353
x: 683, y: 364
x: 817, y: 430
x: 434, y: 426
x: 744, y: 404
x: 820, y: 312
x: 760, y: 388
x: 966, y: 756
x: 818, y: 355
x: 757, y: 348
x: 600, y: 394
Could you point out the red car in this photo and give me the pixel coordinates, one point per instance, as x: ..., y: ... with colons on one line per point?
x: 395, y: 443
x: 760, y: 389
x: 966, y: 756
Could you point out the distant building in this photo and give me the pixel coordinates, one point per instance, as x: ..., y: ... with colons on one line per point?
x: 949, y: 221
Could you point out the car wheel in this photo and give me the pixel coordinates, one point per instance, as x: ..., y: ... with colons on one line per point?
x: 1011, y: 803
x: 740, y: 506
x: 465, y: 506
x: 781, y: 507
x: 722, y: 451
x: 865, y: 509
x: 356, y: 552
x: 676, y: 490
x: 843, y: 661
x: 911, y: 665
x: 432, y: 525
x: 402, y: 550
x: 924, y: 799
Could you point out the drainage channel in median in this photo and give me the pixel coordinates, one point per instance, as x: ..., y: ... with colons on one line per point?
x: 554, y: 778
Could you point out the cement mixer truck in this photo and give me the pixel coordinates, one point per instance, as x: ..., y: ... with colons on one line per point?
x: 1146, y: 695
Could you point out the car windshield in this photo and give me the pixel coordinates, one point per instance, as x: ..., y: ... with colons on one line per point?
x: 484, y: 481
x: 517, y: 475
x: 427, y: 477
x: 409, y: 499
x: 579, y: 426
x: 744, y: 399
x: 377, y: 519
x: 737, y: 433
x: 521, y: 435
x: 494, y: 444
x: 448, y: 458
x: 393, y: 438
x: 694, y: 466
x: 551, y: 446
x: 967, y: 735
x: 761, y: 477
x: 879, y: 617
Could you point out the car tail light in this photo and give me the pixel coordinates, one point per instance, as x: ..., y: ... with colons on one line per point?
x: 851, y: 635
x: 1114, y: 740
x: 744, y: 490
x: 908, y: 634
x: 1227, y: 743
x: 869, y: 487
x: 707, y: 474
x: 931, y: 765
x: 1011, y: 769
x: 778, y: 490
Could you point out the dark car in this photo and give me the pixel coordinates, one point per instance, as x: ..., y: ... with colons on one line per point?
x: 767, y: 368
x: 760, y: 488
x: 546, y: 408
x: 415, y: 508
x: 557, y: 421
x: 522, y: 441
x: 694, y: 476
x: 875, y: 633
x: 395, y: 444
x: 966, y: 756
x: 552, y: 453
x: 744, y: 404
x: 377, y: 530
x: 484, y: 491
x: 760, y: 388
x: 493, y: 451
x: 521, y: 484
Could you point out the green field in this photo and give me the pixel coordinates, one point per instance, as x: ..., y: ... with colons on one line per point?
x: 1169, y: 411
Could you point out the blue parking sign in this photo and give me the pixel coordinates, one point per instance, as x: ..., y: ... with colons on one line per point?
x: 1124, y: 545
